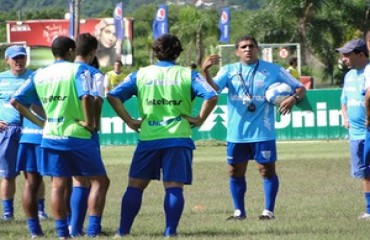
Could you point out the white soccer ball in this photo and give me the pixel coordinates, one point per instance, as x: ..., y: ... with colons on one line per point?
x: 277, y: 92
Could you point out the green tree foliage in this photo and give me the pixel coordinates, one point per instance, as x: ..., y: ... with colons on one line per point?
x: 319, y: 26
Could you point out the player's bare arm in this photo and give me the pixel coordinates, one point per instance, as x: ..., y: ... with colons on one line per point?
x: 3, y: 125
x: 26, y: 112
x: 209, y: 62
x: 367, y: 105
x: 123, y: 114
x: 88, y: 108
x: 206, y: 109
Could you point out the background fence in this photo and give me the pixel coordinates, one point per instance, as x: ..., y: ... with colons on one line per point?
x: 317, y: 116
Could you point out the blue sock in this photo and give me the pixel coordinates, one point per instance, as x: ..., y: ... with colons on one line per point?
x: 130, y: 206
x: 173, y: 206
x: 78, y: 203
x: 34, y: 226
x: 271, y: 188
x: 41, y: 205
x: 62, y: 228
x: 367, y: 201
x: 238, y: 188
x: 94, y: 227
x: 8, y: 207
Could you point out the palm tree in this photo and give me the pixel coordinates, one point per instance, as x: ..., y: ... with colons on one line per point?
x: 191, y: 27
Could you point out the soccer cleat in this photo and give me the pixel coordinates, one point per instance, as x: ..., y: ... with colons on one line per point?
x: 267, y: 215
x: 237, y: 216
x: 364, y: 216
x: 39, y: 235
x: 8, y: 217
x: 42, y: 215
x: 117, y: 236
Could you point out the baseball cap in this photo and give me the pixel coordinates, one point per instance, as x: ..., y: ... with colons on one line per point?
x: 15, y: 51
x: 355, y: 44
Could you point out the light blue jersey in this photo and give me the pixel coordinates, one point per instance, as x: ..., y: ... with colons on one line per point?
x: 353, y: 97
x: 251, y: 126
x: 9, y: 83
x: 97, y: 83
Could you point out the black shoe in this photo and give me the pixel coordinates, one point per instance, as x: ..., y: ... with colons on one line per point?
x: 236, y: 218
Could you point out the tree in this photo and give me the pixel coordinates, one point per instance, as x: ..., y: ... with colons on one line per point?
x: 191, y: 27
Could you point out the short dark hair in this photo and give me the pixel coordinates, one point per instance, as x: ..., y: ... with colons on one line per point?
x: 167, y: 47
x: 85, y: 43
x: 119, y: 61
x: 95, y: 63
x: 246, y: 38
x: 293, y: 60
x: 61, y: 45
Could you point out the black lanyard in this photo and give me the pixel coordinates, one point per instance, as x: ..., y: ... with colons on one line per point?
x: 250, y: 79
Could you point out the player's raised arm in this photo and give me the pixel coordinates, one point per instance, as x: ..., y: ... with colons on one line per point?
x: 207, y: 63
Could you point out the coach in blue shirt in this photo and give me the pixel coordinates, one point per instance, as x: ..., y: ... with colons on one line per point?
x: 251, y: 120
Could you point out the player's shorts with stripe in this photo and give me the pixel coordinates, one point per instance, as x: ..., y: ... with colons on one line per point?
x: 175, y: 163
x: 263, y: 152
x: 9, y: 142
x: 360, y: 158
x: 85, y: 161
x: 29, y: 157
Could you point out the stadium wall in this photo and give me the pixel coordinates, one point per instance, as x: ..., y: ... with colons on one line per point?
x: 317, y: 116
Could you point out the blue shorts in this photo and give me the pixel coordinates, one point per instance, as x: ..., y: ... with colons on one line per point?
x: 263, y: 152
x: 96, y: 139
x: 9, y: 142
x: 29, y: 157
x: 360, y: 158
x: 175, y: 162
x: 84, y: 161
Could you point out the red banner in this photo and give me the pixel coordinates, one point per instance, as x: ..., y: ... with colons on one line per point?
x: 41, y: 33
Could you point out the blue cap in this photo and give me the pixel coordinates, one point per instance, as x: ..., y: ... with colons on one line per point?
x: 15, y: 51
x: 355, y: 44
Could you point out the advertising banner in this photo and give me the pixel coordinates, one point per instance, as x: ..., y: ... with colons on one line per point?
x: 160, y: 22
x: 317, y: 116
x: 224, y: 25
x: 39, y: 34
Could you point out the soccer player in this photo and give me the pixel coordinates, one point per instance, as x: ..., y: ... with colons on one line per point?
x: 86, y: 46
x: 10, y: 130
x: 251, y: 124
x: 114, y: 77
x: 355, y: 55
x: 63, y: 89
x: 165, y: 93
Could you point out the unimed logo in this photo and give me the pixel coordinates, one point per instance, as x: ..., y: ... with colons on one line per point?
x: 321, y: 116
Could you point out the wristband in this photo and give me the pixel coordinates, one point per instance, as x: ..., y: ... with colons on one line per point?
x: 296, y: 97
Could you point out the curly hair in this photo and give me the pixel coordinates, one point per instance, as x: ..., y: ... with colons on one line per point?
x: 167, y: 47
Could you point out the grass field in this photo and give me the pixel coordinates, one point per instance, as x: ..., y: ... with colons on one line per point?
x: 317, y: 200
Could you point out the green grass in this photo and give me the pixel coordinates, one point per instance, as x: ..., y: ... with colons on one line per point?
x: 317, y: 200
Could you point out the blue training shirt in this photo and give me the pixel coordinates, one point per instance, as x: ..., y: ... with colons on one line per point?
x: 353, y: 97
x: 199, y: 88
x: 9, y: 83
x: 243, y: 125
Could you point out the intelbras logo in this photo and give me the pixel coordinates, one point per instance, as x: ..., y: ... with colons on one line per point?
x: 163, y: 101
x: 52, y: 99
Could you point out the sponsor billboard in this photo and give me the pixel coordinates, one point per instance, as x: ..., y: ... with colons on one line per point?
x: 39, y: 34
